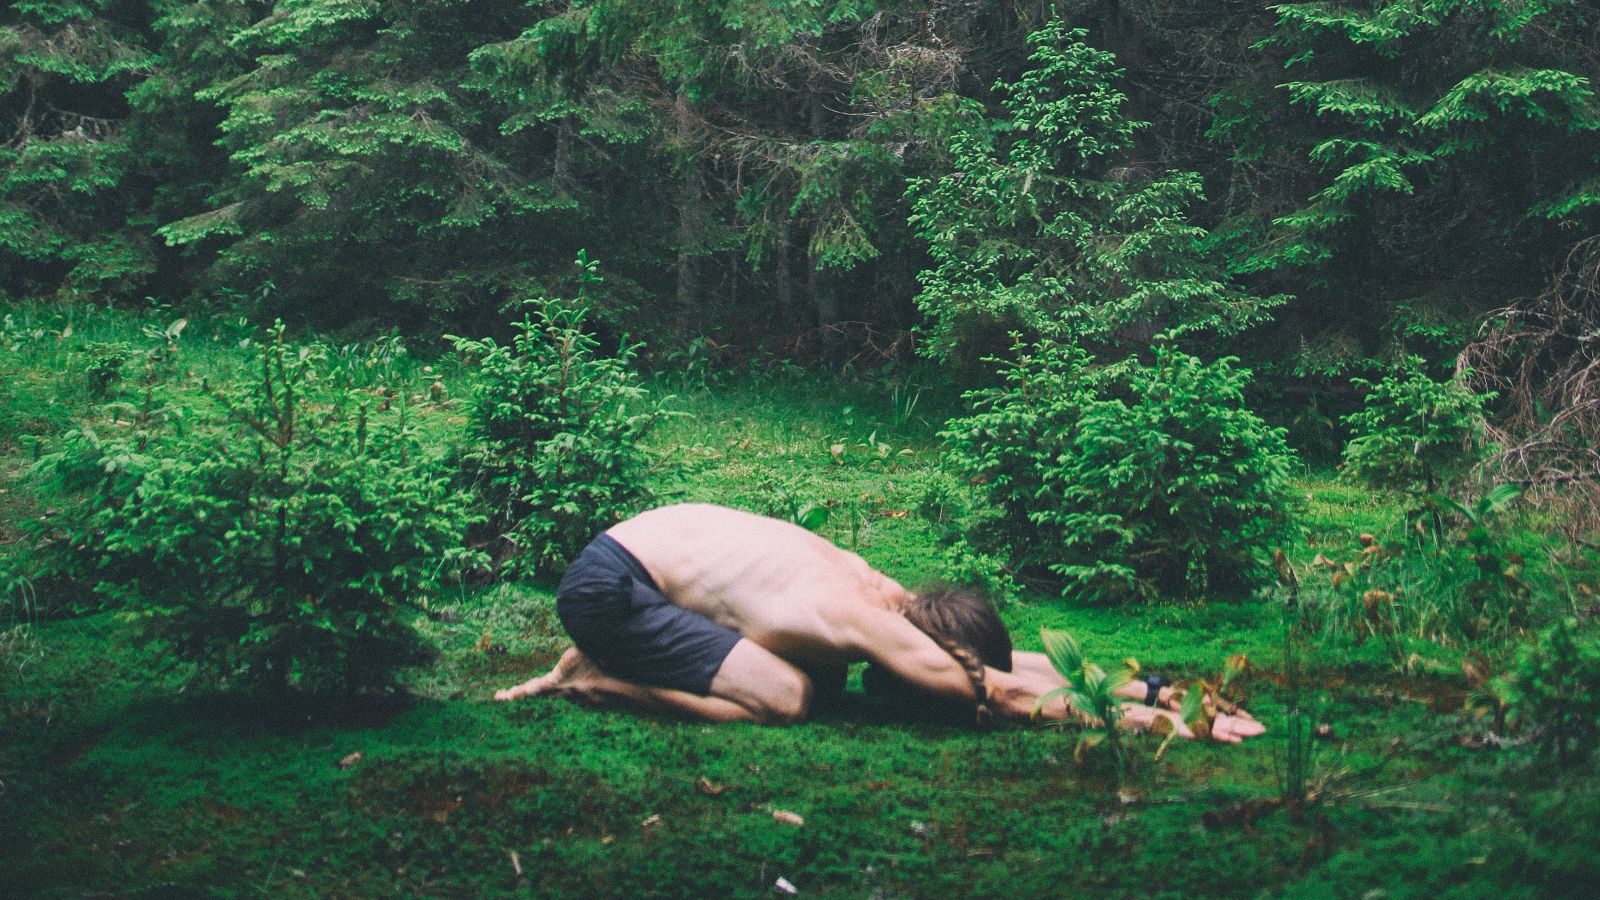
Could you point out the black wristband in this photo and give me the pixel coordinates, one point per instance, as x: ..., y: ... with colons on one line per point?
x: 1153, y: 685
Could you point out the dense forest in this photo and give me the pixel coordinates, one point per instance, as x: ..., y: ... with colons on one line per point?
x: 330, y: 330
x: 1353, y: 182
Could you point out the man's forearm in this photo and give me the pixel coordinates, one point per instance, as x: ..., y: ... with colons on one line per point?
x: 1013, y: 695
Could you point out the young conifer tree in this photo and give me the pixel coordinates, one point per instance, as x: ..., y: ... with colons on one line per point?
x: 1047, y: 224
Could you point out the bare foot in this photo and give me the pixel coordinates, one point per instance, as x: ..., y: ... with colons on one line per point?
x: 570, y: 668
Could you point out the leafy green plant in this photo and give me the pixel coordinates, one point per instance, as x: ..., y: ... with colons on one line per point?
x: 1091, y: 693
x: 104, y: 364
x: 1125, y: 482
x: 1550, y: 689
x: 1473, y: 586
x: 1414, y: 433
x: 276, y: 544
x: 555, y: 432
x: 1298, y: 754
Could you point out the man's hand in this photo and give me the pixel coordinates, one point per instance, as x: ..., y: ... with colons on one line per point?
x: 1225, y: 729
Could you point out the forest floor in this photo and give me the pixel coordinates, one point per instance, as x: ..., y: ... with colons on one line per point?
x: 114, y: 781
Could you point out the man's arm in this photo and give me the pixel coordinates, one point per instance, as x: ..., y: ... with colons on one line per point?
x: 889, y: 639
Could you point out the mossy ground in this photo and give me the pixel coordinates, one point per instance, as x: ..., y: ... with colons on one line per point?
x: 116, y: 781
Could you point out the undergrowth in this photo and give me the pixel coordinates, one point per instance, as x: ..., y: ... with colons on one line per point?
x: 116, y: 780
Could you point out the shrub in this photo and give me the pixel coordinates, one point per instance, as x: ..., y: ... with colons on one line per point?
x: 555, y: 433
x: 1124, y: 482
x: 1551, y: 687
x: 276, y: 545
x: 1016, y: 433
x: 1414, y: 433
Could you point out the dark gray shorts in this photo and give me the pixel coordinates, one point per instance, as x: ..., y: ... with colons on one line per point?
x: 620, y: 619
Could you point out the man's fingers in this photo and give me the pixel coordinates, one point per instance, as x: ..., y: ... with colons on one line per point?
x: 1233, y: 729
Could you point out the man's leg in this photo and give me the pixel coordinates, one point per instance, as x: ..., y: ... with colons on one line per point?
x: 752, y: 685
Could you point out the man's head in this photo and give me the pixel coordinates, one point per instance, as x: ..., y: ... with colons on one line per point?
x: 964, y: 625
x: 965, y: 618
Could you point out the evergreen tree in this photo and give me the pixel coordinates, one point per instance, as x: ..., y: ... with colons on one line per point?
x: 1041, y: 227
x: 1423, y: 162
x: 369, y: 176
x: 65, y: 197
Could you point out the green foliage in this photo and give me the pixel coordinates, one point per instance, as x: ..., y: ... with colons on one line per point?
x: 1439, y: 153
x: 1033, y: 228
x: 361, y: 162
x: 277, y: 546
x: 446, y: 787
x: 555, y: 431
x: 65, y: 206
x: 1091, y: 694
x: 1413, y: 432
x: 1551, y: 688
x: 1129, y: 482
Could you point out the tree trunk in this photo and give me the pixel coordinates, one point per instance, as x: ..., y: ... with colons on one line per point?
x: 784, y: 289
x: 689, y: 196
x: 823, y: 300
x: 826, y: 306
x: 562, y: 174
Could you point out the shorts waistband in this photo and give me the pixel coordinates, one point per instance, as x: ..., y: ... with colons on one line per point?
x: 604, y: 556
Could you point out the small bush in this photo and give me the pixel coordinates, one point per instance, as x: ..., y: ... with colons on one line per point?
x: 555, y: 433
x: 1552, y: 688
x: 1414, y: 433
x: 1125, y: 482
x: 275, y: 545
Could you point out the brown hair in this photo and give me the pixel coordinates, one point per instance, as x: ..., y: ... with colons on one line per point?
x: 965, y: 626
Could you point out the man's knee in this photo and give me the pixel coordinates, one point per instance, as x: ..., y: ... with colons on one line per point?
x: 789, y: 702
x: 773, y: 691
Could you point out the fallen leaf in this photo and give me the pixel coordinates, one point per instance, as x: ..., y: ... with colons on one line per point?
x: 1366, y: 540
x: 1322, y: 560
x: 787, y: 817
x: 1323, y: 731
x: 442, y: 812
x: 651, y: 821
x: 785, y: 886
x: 704, y: 786
x: 1475, y: 669
x: 837, y: 450
x: 895, y: 513
x: 350, y: 760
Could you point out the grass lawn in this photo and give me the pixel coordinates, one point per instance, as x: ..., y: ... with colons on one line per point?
x: 116, y: 782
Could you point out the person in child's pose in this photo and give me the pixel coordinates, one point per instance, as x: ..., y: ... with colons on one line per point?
x: 726, y: 616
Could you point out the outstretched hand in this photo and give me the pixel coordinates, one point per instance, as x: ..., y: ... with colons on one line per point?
x: 1228, y: 729
x: 1225, y: 728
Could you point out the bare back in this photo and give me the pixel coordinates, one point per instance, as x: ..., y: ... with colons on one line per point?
x: 789, y: 590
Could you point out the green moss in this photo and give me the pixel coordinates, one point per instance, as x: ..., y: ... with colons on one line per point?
x: 117, y: 781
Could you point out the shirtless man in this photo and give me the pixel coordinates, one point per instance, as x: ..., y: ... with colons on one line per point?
x: 713, y: 613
